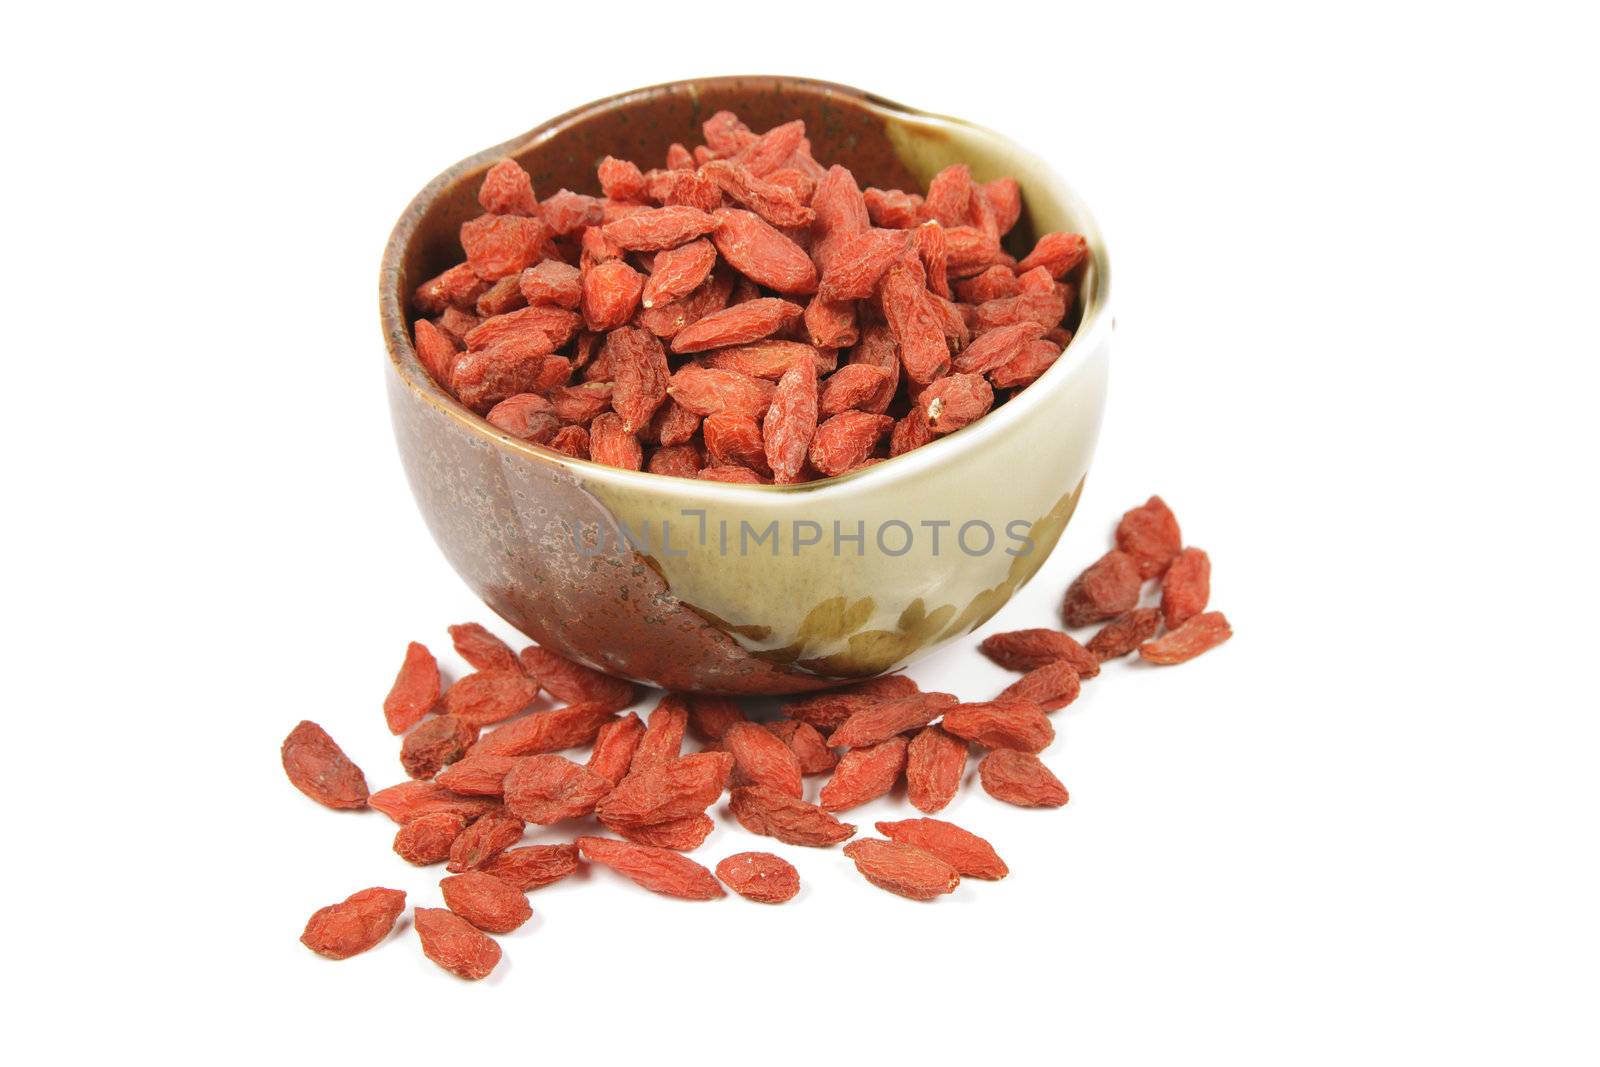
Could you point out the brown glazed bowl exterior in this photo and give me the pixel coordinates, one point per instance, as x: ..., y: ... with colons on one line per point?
x: 740, y: 589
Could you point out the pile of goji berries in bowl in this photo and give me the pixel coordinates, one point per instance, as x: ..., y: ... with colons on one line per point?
x: 744, y: 313
x: 639, y: 802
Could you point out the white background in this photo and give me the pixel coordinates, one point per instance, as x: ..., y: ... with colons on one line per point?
x: 1356, y: 276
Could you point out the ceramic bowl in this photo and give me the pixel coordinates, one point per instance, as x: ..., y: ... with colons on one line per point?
x: 740, y: 589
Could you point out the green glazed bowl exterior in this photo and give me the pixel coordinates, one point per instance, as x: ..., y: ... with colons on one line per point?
x: 713, y: 587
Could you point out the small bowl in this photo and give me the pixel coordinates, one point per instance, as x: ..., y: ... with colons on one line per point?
x: 677, y: 583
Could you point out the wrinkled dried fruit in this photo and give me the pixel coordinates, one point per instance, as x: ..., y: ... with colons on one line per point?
x: 355, y: 924
x: 455, y: 944
x: 533, y: 866
x: 935, y: 762
x: 485, y: 901
x: 1021, y: 779
x: 668, y: 791
x: 656, y: 869
x: 411, y: 800
x: 415, y: 690
x: 500, y: 245
x: 1027, y: 650
x: 846, y: 441
x: 573, y: 682
x: 1199, y: 634
x: 478, y: 774
x: 711, y: 716
x: 661, y: 228
x: 434, y: 743
x: 1005, y: 723
x: 878, y: 723
x: 546, y: 789
x: 680, y: 835
x: 764, y: 255
x: 955, y: 401
x: 615, y: 746
x: 864, y: 774
x: 1057, y: 253
x: 761, y: 758
x: 1109, y: 587
x: 790, y: 422
x: 487, y: 697
x: 319, y: 768
x: 639, y: 365
x: 1149, y: 533
x: 1185, y: 587
x: 806, y: 743
x: 1051, y: 687
x: 904, y: 869
x: 740, y: 324
x: 969, y: 854
x: 427, y: 840
x: 483, y: 840
x: 760, y: 876
x: 792, y: 821
x: 545, y: 731
x: 663, y: 734
x: 1125, y: 633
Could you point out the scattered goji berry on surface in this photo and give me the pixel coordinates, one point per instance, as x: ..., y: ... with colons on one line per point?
x: 1185, y: 587
x: 1109, y: 587
x: 455, y: 944
x: 760, y: 876
x: 1125, y: 633
x: 318, y: 767
x: 791, y: 820
x: 659, y: 870
x: 533, y: 866
x: 904, y: 869
x: 1201, y: 633
x: 969, y: 854
x: 485, y: 901
x: 355, y: 924
x: 415, y: 690
x: 427, y: 840
x: 1020, y: 778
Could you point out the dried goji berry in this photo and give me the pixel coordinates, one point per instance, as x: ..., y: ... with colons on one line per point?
x: 935, y: 762
x: 477, y: 774
x: 1201, y: 633
x: 1051, y: 687
x: 485, y: 901
x: 806, y: 743
x: 766, y: 359
x: 533, y: 866
x: 455, y: 944
x: 846, y: 441
x: 486, y: 697
x: 319, y: 768
x: 707, y: 391
x: 435, y: 742
x: 789, y: 819
x: 791, y: 421
x: 955, y: 401
x: 914, y: 324
x: 1106, y: 589
x: 546, y: 731
x: 893, y: 208
x: 904, y: 869
x: 677, y: 789
x: 1149, y: 533
x: 1008, y: 722
x: 736, y: 325
x: 997, y: 347
x: 1185, y: 587
x: 760, y: 876
x: 415, y: 690
x: 1125, y: 633
x: 486, y: 838
x: 573, y: 682
x: 411, y: 800
x: 777, y: 204
x: 355, y: 924
x: 436, y: 351
x: 1026, y: 650
x: 548, y: 788
x: 527, y: 416
x: 500, y: 245
x: 656, y: 869
x: 878, y: 723
x: 1026, y: 366
x: 761, y: 758
x: 615, y: 746
x: 680, y: 835
x: 763, y: 254
x: 969, y: 854
x: 620, y: 179
x: 657, y: 229
x: 507, y: 190
x: 678, y: 272
x: 663, y: 734
x: 551, y: 283
x: 459, y: 286
x: 611, y: 293
x: 1056, y: 252
x: 864, y: 774
x: 711, y: 716
x: 1021, y: 779
x: 427, y: 840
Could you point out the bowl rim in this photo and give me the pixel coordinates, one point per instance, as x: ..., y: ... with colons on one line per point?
x: 403, y: 359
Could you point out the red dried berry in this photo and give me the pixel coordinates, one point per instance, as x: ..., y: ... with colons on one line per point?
x: 766, y: 359
x: 1109, y: 587
x: 355, y: 924
x: 1057, y: 253
x: 573, y: 682
x: 1027, y: 650
x: 806, y: 743
x: 760, y: 876
x: 501, y: 245
x: 678, y: 789
x: 1021, y: 779
x: 791, y: 421
x: 1185, y: 587
x: 864, y: 774
x: 615, y: 746
x: 792, y: 821
x: 737, y: 325
x: 679, y: 835
x: 611, y: 293
x: 546, y: 731
x: 455, y: 944
x: 482, y: 649
x: 319, y: 768
x: 1005, y: 723
x: 551, y: 283
x: 640, y: 367
x: 915, y: 325
x: 1125, y: 633
x: 427, y: 840
x: 955, y: 401
x: 935, y: 762
x: 969, y: 854
x: 1149, y: 533
x: 620, y: 179
x: 486, y: 697
x: 434, y: 743
x: 656, y: 869
x: 878, y: 723
x: 533, y: 866
x: 485, y: 839
x: 415, y: 690
x: 548, y: 788
x: 663, y: 734
x: 507, y: 190
x: 711, y: 716
x: 846, y: 441
x: 761, y: 758
x: 764, y: 255
x: 485, y: 901
x: 1199, y: 634
x: 409, y: 801
x: 904, y: 869
x: 477, y: 774
x: 658, y: 229
x: 775, y: 203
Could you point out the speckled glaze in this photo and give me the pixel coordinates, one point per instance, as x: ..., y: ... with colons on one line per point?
x: 573, y: 553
